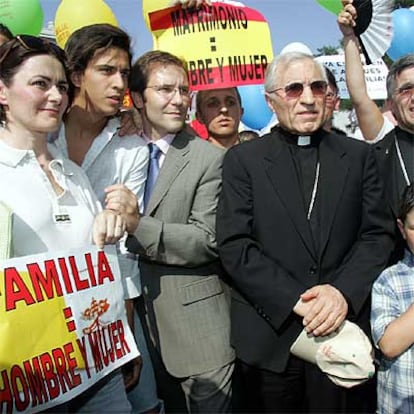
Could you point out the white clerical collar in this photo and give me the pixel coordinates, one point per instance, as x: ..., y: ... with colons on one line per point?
x: 304, y: 140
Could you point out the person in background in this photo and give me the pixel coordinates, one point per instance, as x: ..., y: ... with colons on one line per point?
x: 302, y: 232
x: 333, y: 102
x: 392, y: 319
x: 186, y: 300
x: 99, y: 61
x: 220, y: 110
x: 394, y: 145
x: 5, y: 34
x: 247, y: 135
x: 52, y: 201
x: 373, y: 123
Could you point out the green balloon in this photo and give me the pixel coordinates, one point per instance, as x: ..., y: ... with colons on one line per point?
x: 22, y: 16
x: 334, y: 6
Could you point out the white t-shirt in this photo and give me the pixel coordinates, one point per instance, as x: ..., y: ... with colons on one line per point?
x: 43, y: 220
x: 387, y: 126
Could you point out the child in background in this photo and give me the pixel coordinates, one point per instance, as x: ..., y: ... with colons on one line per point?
x: 392, y: 321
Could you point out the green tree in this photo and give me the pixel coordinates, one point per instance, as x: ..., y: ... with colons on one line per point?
x: 327, y: 50
x: 403, y: 4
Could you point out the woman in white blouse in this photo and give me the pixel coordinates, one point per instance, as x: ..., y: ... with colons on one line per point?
x: 53, y: 204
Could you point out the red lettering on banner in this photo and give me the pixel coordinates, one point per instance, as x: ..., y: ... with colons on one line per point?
x: 15, y: 289
x: 55, y: 280
x: 6, y: 395
x: 65, y: 367
x: 36, y: 384
x: 82, y: 349
x: 50, y: 377
x: 20, y: 388
x: 124, y: 344
x: 39, y: 380
x: 107, y: 343
x: 91, y: 270
x: 81, y: 284
x: 65, y: 274
x: 45, y: 282
x: 104, y: 270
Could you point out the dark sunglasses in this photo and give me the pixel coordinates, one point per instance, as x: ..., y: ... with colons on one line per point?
x: 32, y: 43
x: 295, y: 89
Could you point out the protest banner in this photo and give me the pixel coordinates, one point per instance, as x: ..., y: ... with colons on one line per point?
x: 63, y: 326
x: 219, y: 43
x: 375, y: 75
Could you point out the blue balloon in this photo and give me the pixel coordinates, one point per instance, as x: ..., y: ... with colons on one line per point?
x: 403, y: 33
x: 256, y: 112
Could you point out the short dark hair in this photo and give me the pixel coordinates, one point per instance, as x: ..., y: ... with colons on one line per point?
x: 248, y: 135
x: 141, y: 69
x: 83, y: 44
x: 404, y: 62
x: 407, y: 202
x: 16, y: 51
x: 5, y: 31
x: 331, y: 79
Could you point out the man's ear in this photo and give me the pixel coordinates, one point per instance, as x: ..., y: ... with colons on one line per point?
x: 3, y: 93
x: 269, y: 102
x: 401, y: 228
x: 337, y: 103
x: 137, y: 99
x: 76, y: 79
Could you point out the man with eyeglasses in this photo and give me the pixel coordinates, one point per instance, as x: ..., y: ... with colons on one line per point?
x: 186, y: 300
x: 394, y: 144
x: 333, y: 101
x: 302, y: 234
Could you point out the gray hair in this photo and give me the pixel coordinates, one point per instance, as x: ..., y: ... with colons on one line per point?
x: 285, y: 59
x: 396, y: 68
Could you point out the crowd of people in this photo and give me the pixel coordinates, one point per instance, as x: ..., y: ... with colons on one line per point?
x: 231, y: 247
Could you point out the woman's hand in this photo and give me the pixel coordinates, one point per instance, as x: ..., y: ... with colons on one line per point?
x: 108, y: 228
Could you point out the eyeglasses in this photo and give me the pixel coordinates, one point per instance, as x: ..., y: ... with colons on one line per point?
x: 33, y: 43
x: 168, y: 91
x: 405, y: 91
x: 331, y: 96
x: 295, y: 89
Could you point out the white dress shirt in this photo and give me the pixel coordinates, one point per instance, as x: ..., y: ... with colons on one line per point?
x: 163, y: 144
x: 112, y: 159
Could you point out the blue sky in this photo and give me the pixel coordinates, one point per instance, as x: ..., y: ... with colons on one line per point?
x: 289, y: 20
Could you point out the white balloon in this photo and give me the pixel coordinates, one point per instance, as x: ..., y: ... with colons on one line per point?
x: 297, y: 47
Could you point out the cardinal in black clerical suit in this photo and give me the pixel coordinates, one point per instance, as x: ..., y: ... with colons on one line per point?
x: 303, y: 232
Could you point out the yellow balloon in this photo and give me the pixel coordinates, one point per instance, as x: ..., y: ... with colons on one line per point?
x: 74, y: 14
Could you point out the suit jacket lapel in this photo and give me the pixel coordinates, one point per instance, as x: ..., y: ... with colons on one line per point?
x: 333, y: 174
x: 175, y: 161
x: 282, y: 174
x: 390, y: 170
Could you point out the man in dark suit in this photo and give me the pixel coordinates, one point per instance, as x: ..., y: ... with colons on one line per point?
x: 187, y: 303
x: 303, y: 234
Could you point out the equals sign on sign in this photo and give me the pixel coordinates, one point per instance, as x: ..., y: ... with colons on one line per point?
x: 213, y: 44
